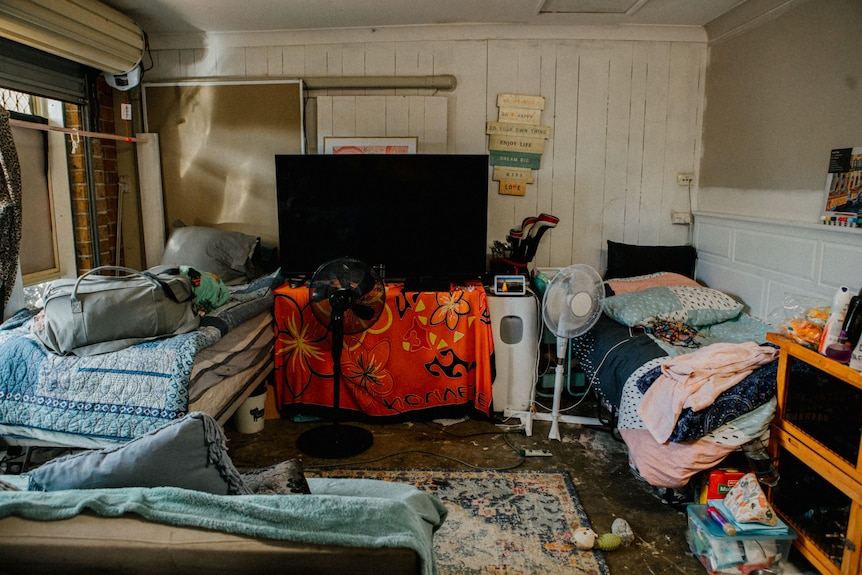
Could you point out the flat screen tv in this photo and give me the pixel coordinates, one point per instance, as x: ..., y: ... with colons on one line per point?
x: 419, y: 217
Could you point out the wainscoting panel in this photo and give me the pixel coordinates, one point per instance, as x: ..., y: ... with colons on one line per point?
x: 761, y: 261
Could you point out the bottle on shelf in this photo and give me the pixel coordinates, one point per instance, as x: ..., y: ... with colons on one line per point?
x: 840, y: 351
x: 853, y: 320
x: 838, y: 311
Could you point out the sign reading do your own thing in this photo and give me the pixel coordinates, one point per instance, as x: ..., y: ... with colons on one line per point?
x: 516, y: 141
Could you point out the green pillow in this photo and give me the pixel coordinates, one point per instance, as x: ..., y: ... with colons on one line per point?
x: 189, y: 453
x: 694, y: 306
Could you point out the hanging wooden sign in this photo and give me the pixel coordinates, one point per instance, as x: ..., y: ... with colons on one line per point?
x: 509, y: 188
x: 520, y: 101
x: 505, y: 173
x: 516, y: 144
x: 519, y: 115
x: 523, y: 130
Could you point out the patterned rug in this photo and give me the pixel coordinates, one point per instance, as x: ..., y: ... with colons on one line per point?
x: 501, y: 523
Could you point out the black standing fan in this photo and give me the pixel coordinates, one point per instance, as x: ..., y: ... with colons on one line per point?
x: 346, y: 297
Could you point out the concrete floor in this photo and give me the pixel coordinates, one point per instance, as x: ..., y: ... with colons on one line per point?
x: 597, y: 463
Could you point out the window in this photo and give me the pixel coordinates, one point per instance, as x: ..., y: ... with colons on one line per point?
x: 45, y: 242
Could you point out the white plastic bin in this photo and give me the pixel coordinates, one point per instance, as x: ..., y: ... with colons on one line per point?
x: 249, y: 418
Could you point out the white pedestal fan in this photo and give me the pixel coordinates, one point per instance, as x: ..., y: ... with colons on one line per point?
x: 572, y: 304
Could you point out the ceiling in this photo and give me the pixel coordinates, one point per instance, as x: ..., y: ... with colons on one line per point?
x: 190, y: 16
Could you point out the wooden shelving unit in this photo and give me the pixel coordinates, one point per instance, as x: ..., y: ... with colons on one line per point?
x: 816, y: 441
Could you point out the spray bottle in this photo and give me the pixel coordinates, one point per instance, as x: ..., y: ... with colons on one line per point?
x: 832, y: 330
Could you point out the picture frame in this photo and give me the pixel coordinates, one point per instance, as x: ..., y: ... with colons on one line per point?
x: 369, y: 145
x: 843, y: 193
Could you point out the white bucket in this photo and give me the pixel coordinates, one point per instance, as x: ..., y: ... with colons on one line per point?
x: 249, y: 417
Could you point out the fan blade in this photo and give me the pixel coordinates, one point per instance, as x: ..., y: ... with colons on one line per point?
x: 362, y: 311
x: 321, y: 291
x: 366, y: 284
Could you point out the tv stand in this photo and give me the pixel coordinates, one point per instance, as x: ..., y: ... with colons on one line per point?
x: 426, y: 283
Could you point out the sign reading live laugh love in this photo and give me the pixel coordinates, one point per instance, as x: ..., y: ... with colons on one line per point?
x: 516, y: 141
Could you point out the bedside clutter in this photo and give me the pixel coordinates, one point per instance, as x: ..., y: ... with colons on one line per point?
x: 739, y: 532
x: 743, y: 552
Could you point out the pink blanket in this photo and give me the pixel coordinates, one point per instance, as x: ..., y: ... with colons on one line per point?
x: 694, y: 380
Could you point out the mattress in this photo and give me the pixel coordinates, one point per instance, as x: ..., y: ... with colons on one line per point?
x: 227, y: 372
x: 99, y: 401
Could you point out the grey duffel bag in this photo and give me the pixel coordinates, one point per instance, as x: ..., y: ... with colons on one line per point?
x: 97, y: 313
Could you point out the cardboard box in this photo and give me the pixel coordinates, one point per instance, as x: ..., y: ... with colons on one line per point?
x: 718, y: 482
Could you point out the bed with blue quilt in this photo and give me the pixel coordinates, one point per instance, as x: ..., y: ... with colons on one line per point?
x: 687, y: 374
x: 100, y: 400
x: 47, y: 399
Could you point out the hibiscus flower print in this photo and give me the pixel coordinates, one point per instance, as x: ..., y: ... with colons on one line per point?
x: 302, y: 350
x: 450, y: 308
x: 366, y: 372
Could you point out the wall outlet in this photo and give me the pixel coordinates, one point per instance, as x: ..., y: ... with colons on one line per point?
x: 683, y: 218
x: 685, y: 179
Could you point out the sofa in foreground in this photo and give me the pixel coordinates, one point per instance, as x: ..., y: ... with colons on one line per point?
x: 133, y: 510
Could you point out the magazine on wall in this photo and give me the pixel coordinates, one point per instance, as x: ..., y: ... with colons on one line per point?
x: 843, y: 204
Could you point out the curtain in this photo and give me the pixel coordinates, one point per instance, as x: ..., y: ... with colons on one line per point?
x: 10, y: 208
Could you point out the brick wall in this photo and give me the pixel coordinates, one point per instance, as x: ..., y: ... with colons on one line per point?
x: 106, y: 186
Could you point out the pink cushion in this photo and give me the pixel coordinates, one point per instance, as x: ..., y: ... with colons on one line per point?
x: 638, y: 283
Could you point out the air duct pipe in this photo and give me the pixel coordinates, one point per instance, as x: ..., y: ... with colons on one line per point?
x: 439, y: 82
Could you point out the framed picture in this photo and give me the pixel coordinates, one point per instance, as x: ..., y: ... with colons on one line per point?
x: 383, y: 145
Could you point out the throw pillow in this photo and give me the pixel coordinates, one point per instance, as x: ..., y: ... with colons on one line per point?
x: 694, y: 306
x: 225, y: 254
x: 189, y: 453
x: 638, y: 283
x: 626, y: 260
x: 285, y: 478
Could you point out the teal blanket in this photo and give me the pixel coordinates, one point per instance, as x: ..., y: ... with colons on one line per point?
x: 347, y: 512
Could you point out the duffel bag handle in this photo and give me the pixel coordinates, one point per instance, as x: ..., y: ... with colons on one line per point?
x: 76, y: 303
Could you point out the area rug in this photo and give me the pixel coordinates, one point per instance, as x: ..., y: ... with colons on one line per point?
x: 501, y: 523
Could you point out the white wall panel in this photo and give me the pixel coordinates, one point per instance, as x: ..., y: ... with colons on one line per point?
x: 565, y: 151
x: 716, y: 240
x: 377, y: 116
x: 760, y: 249
x: 841, y: 265
x: 624, y: 115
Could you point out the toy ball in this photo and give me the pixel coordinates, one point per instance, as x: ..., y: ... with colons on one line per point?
x: 608, y: 542
x: 584, y: 538
x: 623, y: 530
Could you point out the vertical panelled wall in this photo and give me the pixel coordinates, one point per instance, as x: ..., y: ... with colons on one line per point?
x: 625, y: 118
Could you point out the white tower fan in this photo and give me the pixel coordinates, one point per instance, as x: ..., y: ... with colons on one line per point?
x: 572, y: 304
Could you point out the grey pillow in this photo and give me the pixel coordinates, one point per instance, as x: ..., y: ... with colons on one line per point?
x: 285, y: 478
x: 189, y: 453
x: 226, y: 254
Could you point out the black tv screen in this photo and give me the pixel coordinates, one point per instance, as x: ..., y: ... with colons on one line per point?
x: 413, y: 215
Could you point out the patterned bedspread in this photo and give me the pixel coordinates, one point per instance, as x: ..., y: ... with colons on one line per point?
x: 118, y: 395
x: 114, y: 396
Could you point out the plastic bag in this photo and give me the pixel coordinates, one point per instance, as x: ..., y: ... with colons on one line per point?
x: 747, y: 502
x: 802, y: 319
